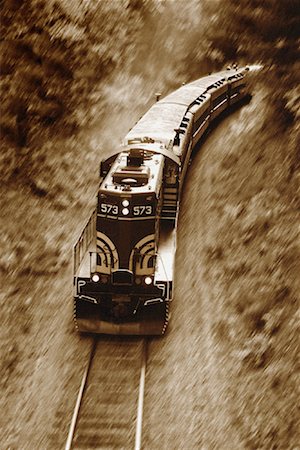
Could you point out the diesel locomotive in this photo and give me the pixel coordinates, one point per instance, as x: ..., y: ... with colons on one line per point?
x: 124, y: 257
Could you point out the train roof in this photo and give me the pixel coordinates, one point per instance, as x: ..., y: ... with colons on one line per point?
x: 124, y: 179
x: 158, y: 123
x: 157, y: 127
x: 207, y: 82
x: 184, y: 95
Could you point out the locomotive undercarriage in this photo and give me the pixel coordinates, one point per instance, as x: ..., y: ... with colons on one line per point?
x: 120, y: 311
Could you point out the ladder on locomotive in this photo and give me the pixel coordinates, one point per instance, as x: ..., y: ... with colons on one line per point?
x: 170, y: 203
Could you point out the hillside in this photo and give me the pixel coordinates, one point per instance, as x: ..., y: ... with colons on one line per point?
x: 74, y: 79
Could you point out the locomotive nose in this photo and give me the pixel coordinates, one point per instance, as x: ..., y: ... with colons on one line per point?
x: 120, y: 310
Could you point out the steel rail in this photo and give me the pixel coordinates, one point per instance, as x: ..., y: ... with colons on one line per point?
x: 68, y: 445
x: 140, y: 401
x: 140, y: 408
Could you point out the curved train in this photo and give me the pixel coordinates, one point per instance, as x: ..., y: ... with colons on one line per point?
x: 124, y: 257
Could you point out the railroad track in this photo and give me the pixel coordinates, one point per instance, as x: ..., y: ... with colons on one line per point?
x: 109, y: 407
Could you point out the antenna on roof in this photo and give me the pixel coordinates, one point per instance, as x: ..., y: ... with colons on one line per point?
x: 157, y: 95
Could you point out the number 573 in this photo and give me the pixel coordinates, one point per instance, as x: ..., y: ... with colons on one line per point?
x: 141, y: 210
x: 109, y: 209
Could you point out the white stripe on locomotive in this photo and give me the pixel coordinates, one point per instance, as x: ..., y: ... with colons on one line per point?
x: 107, y: 255
x: 146, y: 250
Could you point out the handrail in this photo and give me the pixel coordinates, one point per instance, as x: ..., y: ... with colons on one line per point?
x: 84, y: 240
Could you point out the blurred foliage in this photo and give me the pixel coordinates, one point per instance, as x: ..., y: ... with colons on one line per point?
x: 268, y: 32
x: 56, y: 54
x: 265, y: 31
x: 51, y: 60
x: 66, y: 65
x: 251, y: 31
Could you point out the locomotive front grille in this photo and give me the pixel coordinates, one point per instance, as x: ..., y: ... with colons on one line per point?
x: 122, y: 277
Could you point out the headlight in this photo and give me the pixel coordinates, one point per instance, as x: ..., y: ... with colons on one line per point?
x: 125, y: 203
x: 125, y: 211
x: 148, y: 280
x: 95, y: 278
x: 138, y: 280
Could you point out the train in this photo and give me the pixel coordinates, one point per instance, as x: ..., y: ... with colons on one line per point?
x: 124, y: 257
